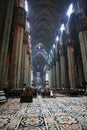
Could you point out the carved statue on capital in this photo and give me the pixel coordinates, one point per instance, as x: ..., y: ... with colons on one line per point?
x: 81, y: 22
x: 20, y: 16
x: 68, y: 40
x: 57, y: 57
x: 53, y: 61
x: 61, y: 50
x: 51, y: 64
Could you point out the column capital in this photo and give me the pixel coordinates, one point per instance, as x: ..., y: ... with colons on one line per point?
x: 53, y: 61
x: 51, y: 64
x: 81, y: 22
x: 61, y: 50
x: 68, y: 40
x: 57, y: 57
x: 20, y: 17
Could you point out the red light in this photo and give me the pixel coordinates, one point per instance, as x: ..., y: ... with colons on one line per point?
x: 86, y: 31
x: 72, y: 49
x: 86, y: 19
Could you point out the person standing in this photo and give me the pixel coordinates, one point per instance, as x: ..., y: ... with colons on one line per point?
x: 51, y: 93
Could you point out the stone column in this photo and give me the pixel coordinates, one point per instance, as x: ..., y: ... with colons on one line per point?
x: 62, y: 66
x: 27, y: 69
x: 29, y: 74
x: 23, y: 64
x: 82, y: 27
x: 82, y: 32
x: 51, y: 76
x: 58, y: 73
x: 20, y: 20
x: 29, y: 62
x: 28, y: 66
x: 5, y: 41
x: 57, y: 67
x: 71, y: 64
x: 55, y: 85
x: 54, y: 69
x: 25, y: 72
x: 80, y: 70
x: 22, y: 68
x: 24, y: 58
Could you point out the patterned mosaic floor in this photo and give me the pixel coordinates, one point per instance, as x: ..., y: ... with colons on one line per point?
x: 60, y: 113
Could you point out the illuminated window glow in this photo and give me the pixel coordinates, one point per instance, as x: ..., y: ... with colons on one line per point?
x: 62, y: 28
x: 49, y: 55
x: 57, y: 38
x: 53, y: 45
x: 26, y: 6
x: 51, y: 51
x: 47, y: 77
x: 39, y: 47
x: 72, y: 49
x: 70, y: 10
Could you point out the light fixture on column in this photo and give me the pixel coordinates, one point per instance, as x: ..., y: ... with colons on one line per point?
x: 62, y: 28
x: 51, y: 51
x: 53, y: 45
x: 39, y: 47
x: 70, y: 10
x: 49, y: 55
x: 57, y: 38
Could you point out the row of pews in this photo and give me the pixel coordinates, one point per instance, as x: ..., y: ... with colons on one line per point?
x: 28, y: 95
x: 24, y: 95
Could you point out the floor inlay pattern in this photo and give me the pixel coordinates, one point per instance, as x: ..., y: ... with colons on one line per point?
x: 60, y: 113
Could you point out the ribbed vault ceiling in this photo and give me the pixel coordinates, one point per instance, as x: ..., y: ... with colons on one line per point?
x: 45, y: 17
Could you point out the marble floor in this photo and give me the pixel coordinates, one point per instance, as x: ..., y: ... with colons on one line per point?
x: 60, y: 113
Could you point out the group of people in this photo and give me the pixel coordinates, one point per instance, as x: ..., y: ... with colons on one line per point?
x: 40, y: 90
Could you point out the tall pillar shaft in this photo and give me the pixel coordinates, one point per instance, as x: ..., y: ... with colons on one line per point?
x: 82, y: 27
x: 19, y: 58
x: 80, y: 71
x: 29, y: 75
x: 51, y: 77
x: 62, y: 66
x: 83, y: 44
x: 58, y: 74
x: 25, y: 58
x: 5, y: 42
x: 55, y: 75
x: 71, y: 67
x: 71, y: 64
x: 17, y: 46
x: 82, y: 31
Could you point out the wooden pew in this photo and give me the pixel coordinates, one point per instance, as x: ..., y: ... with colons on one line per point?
x: 26, y: 96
